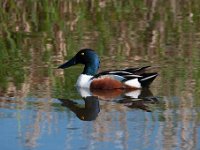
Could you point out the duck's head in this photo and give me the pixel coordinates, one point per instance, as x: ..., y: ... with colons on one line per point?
x: 87, y: 57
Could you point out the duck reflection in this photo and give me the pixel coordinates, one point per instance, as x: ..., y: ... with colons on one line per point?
x: 139, y: 99
x: 109, y: 95
x: 88, y: 112
x: 119, y: 94
x: 141, y: 102
x: 136, y: 99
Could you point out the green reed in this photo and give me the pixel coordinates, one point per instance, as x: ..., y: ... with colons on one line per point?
x: 33, y: 32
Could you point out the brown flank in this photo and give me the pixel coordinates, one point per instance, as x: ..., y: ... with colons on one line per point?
x: 108, y: 84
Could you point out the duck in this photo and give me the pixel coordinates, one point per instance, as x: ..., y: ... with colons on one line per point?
x: 127, y: 78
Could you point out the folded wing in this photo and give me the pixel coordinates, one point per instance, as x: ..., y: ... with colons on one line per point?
x: 126, y: 78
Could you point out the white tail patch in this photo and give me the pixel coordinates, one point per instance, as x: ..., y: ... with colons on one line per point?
x: 149, y: 77
x: 133, y: 83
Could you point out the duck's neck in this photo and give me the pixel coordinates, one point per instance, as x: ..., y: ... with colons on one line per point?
x: 90, y: 69
x: 92, y: 66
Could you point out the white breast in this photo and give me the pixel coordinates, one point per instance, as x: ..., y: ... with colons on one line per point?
x: 84, y: 92
x: 84, y: 81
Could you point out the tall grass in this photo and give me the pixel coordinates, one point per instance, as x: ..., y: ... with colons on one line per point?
x: 33, y: 32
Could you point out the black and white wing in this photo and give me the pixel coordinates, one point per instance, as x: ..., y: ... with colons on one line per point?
x: 136, y: 77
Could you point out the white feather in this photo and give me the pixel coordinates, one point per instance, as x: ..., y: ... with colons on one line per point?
x: 149, y: 77
x: 84, y: 81
x: 119, y: 72
x: 84, y: 92
x: 133, y: 83
x: 135, y: 76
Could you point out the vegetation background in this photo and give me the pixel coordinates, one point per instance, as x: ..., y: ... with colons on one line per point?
x: 36, y: 36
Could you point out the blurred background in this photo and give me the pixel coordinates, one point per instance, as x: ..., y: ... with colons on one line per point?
x: 37, y: 36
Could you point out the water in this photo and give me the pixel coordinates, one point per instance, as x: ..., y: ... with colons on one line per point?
x: 40, y: 108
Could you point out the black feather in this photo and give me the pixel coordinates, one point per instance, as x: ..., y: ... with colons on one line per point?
x: 147, y: 78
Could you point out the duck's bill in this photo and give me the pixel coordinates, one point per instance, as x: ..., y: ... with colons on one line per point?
x: 69, y: 63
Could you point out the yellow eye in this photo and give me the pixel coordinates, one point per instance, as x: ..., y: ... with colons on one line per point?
x: 82, y: 54
x: 82, y: 117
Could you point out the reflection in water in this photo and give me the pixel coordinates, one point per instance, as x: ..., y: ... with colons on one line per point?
x: 88, y: 112
x: 118, y: 94
x: 144, y: 98
x: 120, y: 121
x: 112, y: 94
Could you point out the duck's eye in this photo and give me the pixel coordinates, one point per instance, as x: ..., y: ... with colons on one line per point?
x: 82, y: 54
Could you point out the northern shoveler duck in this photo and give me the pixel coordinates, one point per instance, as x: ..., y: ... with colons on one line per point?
x: 129, y: 78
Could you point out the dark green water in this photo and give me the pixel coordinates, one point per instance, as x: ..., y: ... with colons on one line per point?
x: 40, y: 108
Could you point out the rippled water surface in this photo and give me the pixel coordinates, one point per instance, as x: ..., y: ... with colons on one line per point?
x: 41, y: 109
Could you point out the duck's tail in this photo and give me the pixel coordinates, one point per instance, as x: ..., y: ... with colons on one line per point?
x: 147, y: 78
